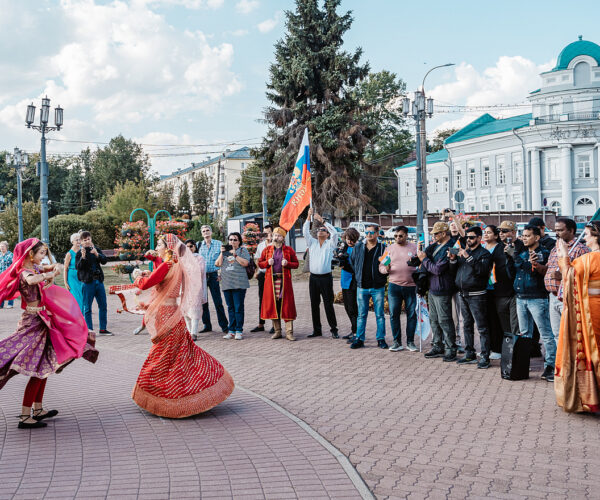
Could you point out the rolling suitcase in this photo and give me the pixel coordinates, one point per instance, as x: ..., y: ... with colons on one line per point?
x: 516, y: 351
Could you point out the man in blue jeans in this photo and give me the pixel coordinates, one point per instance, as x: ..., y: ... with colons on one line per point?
x: 401, y: 288
x: 210, y: 250
x: 532, y: 297
x: 370, y: 282
x: 88, y: 262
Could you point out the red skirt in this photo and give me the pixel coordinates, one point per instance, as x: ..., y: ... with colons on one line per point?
x: 179, y: 378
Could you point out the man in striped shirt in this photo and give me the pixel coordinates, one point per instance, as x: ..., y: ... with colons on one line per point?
x: 210, y: 250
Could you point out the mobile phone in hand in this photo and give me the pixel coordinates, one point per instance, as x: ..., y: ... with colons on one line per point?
x: 228, y: 248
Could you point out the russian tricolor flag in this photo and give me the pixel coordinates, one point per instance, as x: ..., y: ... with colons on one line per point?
x: 299, y: 193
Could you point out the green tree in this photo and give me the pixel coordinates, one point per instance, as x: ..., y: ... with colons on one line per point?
x: 391, y: 142
x: 249, y: 196
x: 120, y: 161
x: 126, y: 197
x: 201, y: 193
x: 9, y: 222
x: 71, y: 201
x: 163, y: 198
x: 311, y: 85
x: 184, y: 204
x: 437, y: 142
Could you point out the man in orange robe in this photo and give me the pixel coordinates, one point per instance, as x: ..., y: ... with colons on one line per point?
x: 278, y: 297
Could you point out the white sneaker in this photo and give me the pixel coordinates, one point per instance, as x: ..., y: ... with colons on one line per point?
x: 229, y: 336
x: 495, y: 355
x: 9, y: 307
x: 238, y: 336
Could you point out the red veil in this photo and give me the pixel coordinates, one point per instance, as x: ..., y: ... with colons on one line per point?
x: 66, y: 325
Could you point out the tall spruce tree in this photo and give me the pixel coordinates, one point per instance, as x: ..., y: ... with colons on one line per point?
x: 311, y: 85
x: 70, y: 202
x: 201, y: 193
x: 184, y: 205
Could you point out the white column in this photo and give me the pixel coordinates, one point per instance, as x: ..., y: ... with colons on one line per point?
x: 567, y: 181
x: 536, y: 180
x: 597, y: 172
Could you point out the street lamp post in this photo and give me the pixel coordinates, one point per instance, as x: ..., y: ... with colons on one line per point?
x: 151, y: 225
x: 19, y: 160
x: 419, y: 109
x: 43, y: 170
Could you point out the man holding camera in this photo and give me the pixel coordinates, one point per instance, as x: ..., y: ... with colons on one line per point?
x: 441, y: 287
x: 532, y: 297
x: 473, y: 266
x: 88, y: 262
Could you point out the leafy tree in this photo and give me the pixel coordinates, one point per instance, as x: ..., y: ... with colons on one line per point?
x: 201, y: 193
x: 71, y: 202
x: 184, y: 205
x: 163, y: 198
x: 437, y: 142
x: 249, y: 196
x: 311, y: 85
x: 120, y: 161
x: 125, y: 198
x: 9, y: 222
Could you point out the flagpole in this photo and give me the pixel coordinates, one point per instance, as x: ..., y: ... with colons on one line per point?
x: 596, y: 216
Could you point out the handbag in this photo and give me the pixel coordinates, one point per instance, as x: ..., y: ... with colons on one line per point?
x: 251, y: 268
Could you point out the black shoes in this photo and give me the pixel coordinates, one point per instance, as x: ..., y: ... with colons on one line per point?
x: 335, y: 335
x: 348, y: 337
x: 259, y: 328
x: 548, y: 374
x: 448, y: 358
x: 483, y: 363
x: 382, y: 344
x: 469, y: 359
x: 105, y: 332
x: 434, y: 353
x: 272, y: 330
x: 23, y: 424
x: 206, y: 329
x: 315, y: 334
x: 48, y: 414
x: 357, y: 344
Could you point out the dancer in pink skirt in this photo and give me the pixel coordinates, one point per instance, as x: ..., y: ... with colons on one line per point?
x: 51, y: 333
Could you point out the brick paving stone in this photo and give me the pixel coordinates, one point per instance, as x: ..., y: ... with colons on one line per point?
x: 436, y: 429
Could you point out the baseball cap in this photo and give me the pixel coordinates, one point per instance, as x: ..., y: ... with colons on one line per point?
x: 439, y: 227
x: 508, y: 224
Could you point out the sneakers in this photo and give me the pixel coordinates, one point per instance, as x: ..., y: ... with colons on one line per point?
x: 357, y: 344
x: 315, y: 334
x: 335, y: 335
x: 548, y: 374
x: 238, y: 336
x: 434, y: 353
x: 469, y: 359
x: 495, y: 355
x: 206, y: 329
x: 382, y: 344
x: 349, y: 336
x: 396, y: 346
x: 9, y: 306
x: 483, y: 363
x: 449, y: 357
x: 229, y: 336
x: 412, y: 347
x: 105, y: 332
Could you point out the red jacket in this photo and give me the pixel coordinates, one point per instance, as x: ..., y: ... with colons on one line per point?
x: 268, y: 308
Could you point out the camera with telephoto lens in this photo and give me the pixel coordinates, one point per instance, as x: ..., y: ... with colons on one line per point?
x: 414, y: 261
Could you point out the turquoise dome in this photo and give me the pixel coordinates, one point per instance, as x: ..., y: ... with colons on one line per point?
x: 578, y: 48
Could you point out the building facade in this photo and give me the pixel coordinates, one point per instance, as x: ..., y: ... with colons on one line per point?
x: 232, y: 164
x: 546, y: 158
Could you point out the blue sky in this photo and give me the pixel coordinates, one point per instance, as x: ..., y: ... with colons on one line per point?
x: 189, y: 72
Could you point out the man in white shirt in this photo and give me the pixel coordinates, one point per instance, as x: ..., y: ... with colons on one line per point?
x: 321, y: 251
x: 260, y: 275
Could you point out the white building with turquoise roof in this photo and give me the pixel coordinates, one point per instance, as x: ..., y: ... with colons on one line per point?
x: 550, y: 155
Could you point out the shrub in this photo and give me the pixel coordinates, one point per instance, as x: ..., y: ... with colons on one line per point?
x: 9, y: 223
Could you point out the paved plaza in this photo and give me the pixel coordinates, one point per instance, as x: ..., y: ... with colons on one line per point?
x: 308, y: 419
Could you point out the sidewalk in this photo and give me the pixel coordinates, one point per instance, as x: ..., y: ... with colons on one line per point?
x: 413, y: 428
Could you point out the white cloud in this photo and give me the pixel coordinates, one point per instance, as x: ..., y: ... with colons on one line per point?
x: 270, y: 24
x: 246, y: 6
x: 509, y: 81
x: 126, y: 63
x: 188, y: 4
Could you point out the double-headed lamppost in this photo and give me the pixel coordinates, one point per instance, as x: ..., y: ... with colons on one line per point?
x: 43, y: 166
x: 19, y: 160
x: 419, y: 109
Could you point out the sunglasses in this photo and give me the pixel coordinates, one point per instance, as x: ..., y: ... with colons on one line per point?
x: 233, y: 239
x: 369, y: 232
x: 400, y: 235
x: 323, y: 229
x: 471, y: 237
x: 506, y: 230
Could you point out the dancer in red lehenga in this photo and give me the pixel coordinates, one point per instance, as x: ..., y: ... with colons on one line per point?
x: 178, y: 378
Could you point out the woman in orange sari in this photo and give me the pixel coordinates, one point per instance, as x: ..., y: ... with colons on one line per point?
x: 577, y: 374
x: 178, y: 378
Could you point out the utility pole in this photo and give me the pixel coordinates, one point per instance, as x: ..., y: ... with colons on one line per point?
x: 19, y: 160
x: 423, y: 150
x: 264, y: 197
x: 217, y: 183
x: 360, y: 192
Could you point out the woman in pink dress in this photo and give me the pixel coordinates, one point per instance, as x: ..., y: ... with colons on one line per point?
x: 50, y: 334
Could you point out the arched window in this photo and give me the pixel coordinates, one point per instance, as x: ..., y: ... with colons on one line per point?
x: 581, y: 74
x: 555, y: 207
x: 584, y: 201
x: 585, y: 206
